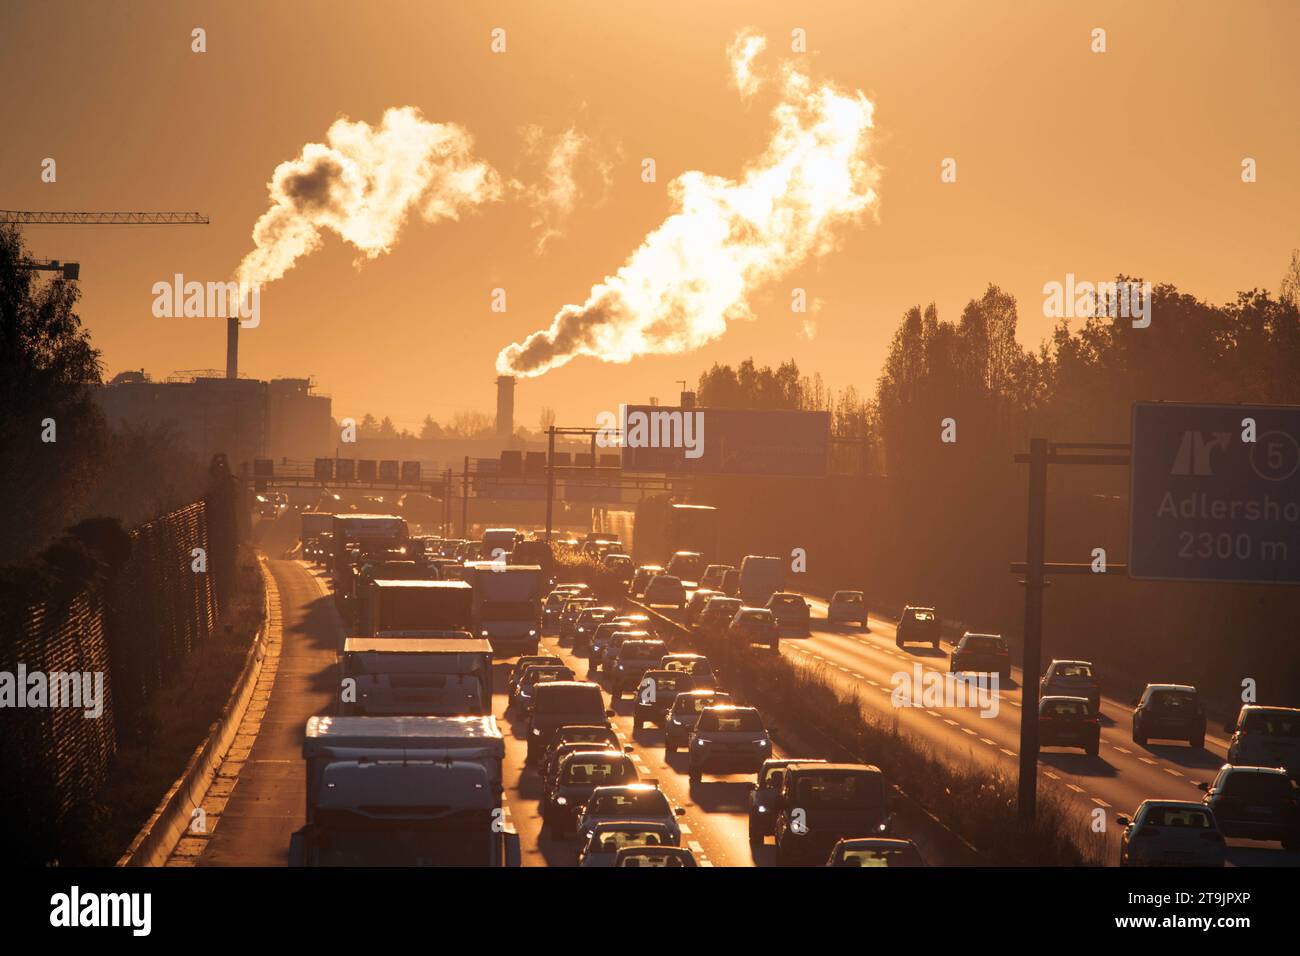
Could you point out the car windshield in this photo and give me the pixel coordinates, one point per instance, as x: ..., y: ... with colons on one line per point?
x: 787, y: 600
x: 1257, y: 786
x: 839, y: 790
x: 1174, y: 701
x: 601, y: 772
x: 1073, y: 670
x: 1273, y: 723
x: 880, y: 856
x: 1065, y: 708
x: 983, y: 644
x: 735, y: 721
x: 757, y: 617
x: 666, y: 683
x: 536, y: 675
x: 843, y: 598
x: 923, y: 615
x: 1192, y: 817
x: 611, y: 841
x: 631, y: 803
x: 641, y: 650
x: 652, y: 859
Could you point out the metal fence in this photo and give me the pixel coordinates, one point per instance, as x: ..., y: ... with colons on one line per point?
x: 133, y: 626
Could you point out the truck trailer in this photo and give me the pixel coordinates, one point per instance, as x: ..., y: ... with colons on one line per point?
x: 508, y: 606
x: 418, y: 676
x: 410, y: 608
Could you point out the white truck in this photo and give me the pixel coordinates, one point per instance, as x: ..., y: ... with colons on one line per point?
x: 404, y: 791
x: 760, y: 578
x: 508, y: 606
x: 436, y: 676
x: 498, y: 543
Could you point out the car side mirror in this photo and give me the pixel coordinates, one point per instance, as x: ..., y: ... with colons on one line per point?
x: 1203, y: 786
x: 680, y: 811
x: 609, y: 711
x: 628, y: 748
x: 1122, y: 820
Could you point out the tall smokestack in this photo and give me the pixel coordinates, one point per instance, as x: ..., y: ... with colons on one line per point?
x: 232, y: 348
x: 505, y: 406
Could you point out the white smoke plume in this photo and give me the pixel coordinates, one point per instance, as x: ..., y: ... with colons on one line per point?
x: 361, y: 183
x: 553, y: 199
x: 697, y: 270
x: 742, y: 52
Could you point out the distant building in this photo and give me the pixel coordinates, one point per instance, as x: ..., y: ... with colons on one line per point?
x: 245, y: 418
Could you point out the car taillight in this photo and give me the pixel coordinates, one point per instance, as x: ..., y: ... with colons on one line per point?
x: 1093, y: 720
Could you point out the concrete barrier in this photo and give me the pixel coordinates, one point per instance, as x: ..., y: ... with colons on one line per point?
x: 171, y: 819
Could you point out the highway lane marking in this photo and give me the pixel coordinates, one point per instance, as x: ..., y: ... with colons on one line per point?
x: 967, y: 730
x: 985, y: 740
x: 1052, y: 775
x: 1171, y: 771
x: 695, y: 847
x: 950, y: 721
x: 1122, y: 750
x: 1147, y: 760
x: 859, y: 676
x: 934, y: 713
x: 1074, y: 788
x: 1100, y: 802
x: 1009, y: 753
x: 684, y: 827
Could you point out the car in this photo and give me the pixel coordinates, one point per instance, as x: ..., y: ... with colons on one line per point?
x: 534, y: 675
x: 731, y: 583
x: 823, y: 803
x: 629, y: 801
x: 569, y: 616
x: 585, y: 625
x: 1266, y: 736
x: 918, y: 625
x: 577, y: 776
x: 767, y: 791
x: 600, y: 640
x: 635, y: 657
x: 620, y: 564
x: 695, y: 606
x: 717, y: 615
x: 642, y: 577
x: 1072, y: 679
x: 983, y: 654
x: 847, y: 607
x: 687, y: 566
x: 755, y: 625
x: 875, y: 851
x: 655, y: 695
x: 1255, y: 803
x: 1166, y: 711
x: 696, y: 665
x: 664, y: 590
x: 598, y: 736
x: 1171, y: 833
x: 1068, y: 722
x: 562, y: 702
x: 648, y: 855
x: 553, y: 606
x: 523, y: 664
x: 606, y: 840
x: 613, y: 644
x: 729, y: 737
x: 790, y: 610
x: 712, y: 577
x: 683, y: 715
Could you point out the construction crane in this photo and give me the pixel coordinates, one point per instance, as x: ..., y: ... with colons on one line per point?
x: 26, y: 218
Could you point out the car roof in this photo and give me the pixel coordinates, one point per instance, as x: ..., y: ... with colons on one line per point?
x: 653, y: 850
x: 604, y: 826
x: 1180, y: 804
x: 703, y: 692
x: 557, y: 684
x: 608, y: 752
x: 1248, y: 768
x: 835, y: 767
x: 1056, y: 661
x: 787, y: 761
x: 685, y: 656
x: 881, y: 842
x: 626, y: 788
x: 842, y: 591
x: 1185, y: 688
x: 559, y: 731
x: 733, y: 708
x: 1054, y: 697
x: 918, y: 607
x: 980, y: 634
x: 1261, y: 708
x: 666, y: 577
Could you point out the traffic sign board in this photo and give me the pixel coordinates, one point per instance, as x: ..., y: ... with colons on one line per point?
x: 1215, y: 493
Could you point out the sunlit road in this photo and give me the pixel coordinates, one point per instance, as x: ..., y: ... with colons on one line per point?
x: 1117, y: 780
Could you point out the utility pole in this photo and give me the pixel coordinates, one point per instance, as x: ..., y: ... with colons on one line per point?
x: 464, y: 501
x: 1031, y: 664
x: 550, y: 479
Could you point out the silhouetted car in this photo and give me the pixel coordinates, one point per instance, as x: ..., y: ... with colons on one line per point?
x: 523, y: 664
x: 918, y: 625
x: 604, y: 841
x: 596, y: 736
x: 766, y: 794
x: 875, y: 851
x: 1255, y: 803
x: 585, y: 625
x: 642, y: 577
x: 1068, y: 722
x: 983, y: 654
x: 684, y: 713
x: 558, y: 703
x: 613, y: 644
x: 755, y: 625
x: 731, y: 582
x: 717, y: 616
x: 696, y: 665
x: 1171, y: 833
x: 1072, y: 679
x: 790, y: 610
x: 576, y: 777
x: 713, y: 575
x: 1169, y: 711
x: 620, y: 564
x: 664, y: 590
x: 522, y: 701
x: 655, y: 695
x: 569, y: 616
x: 1267, y: 737
x: 634, y: 659
x: 554, y: 604
x: 632, y: 801
x: 728, y: 738
x: 654, y: 856
x: 695, y: 606
x: 847, y: 607
x: 823, y: 803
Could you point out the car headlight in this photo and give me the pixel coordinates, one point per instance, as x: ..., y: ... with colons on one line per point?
x: 532, y: 633
x: 763, y: 741
x: 761, y: 809
x: 562, y: 801
x: 536, y: 732
x: 483, y: 634
x: 701, y: 740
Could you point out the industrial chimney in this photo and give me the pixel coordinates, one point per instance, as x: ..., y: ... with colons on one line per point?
x: 232, y: 348
x: 505, y: 406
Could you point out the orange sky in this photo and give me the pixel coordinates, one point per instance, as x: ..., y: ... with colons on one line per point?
x: 1068, y: 161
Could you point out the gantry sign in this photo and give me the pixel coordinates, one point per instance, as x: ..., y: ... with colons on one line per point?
x: 1215, y: 493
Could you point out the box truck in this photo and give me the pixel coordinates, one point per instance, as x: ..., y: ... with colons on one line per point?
x: 412, y: 608
x: 508, y: 606
x: 404, y: 791
x: 435, y: 676
x: 760, y: 578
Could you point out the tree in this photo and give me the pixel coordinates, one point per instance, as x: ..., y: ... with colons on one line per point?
x: 471, y: 425
x: 546, y: 419
x: 430, y: 429
x: 387, y: 429
x: 368, y: 427
x: 47, y: 371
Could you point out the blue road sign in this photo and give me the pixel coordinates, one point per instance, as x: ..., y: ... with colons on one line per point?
x: 1215, y: 493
